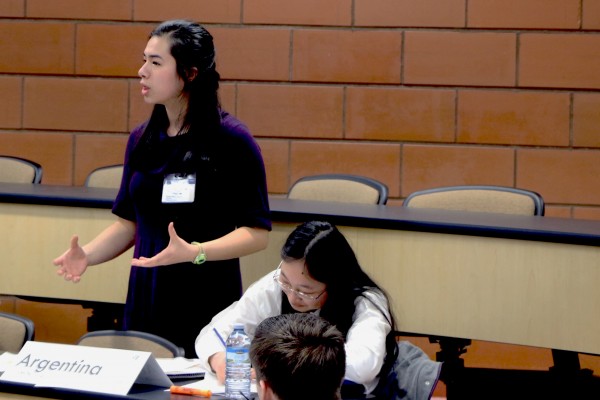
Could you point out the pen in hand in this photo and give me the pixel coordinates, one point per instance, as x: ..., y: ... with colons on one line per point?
x: 220, y: 337
x: 190, y: 391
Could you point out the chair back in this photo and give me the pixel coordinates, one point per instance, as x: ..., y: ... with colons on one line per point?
x: 15, y: 330
x: 479, y: 198
x: 132, y: 340
x: 19, y: 170
x: 343, y: 188
x: 105, y: 177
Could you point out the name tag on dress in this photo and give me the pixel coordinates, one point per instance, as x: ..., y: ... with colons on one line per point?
x: 179, y: 188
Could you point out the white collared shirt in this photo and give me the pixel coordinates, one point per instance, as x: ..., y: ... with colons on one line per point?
x: 365, y: 341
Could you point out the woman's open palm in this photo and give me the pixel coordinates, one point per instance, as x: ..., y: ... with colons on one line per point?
x: 73, y: 262
x: 176, y: 252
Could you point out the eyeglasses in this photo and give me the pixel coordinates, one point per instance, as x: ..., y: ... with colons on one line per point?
x: 288, y: 289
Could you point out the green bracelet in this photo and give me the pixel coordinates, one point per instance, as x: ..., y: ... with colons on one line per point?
x: 201, y: 257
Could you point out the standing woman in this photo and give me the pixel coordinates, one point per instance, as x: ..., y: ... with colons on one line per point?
x: 319, y: 273
x: 193, y: 197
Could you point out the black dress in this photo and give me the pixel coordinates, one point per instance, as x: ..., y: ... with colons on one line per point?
x: 176, y: 301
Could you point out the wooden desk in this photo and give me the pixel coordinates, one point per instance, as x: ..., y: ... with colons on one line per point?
x: 511, y: 279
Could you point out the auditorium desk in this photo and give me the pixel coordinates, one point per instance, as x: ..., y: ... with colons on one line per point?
x: 16, y: 391
x: 512, y: 279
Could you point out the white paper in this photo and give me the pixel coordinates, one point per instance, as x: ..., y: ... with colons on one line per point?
x: 180, y: 366
x: 7, y: 360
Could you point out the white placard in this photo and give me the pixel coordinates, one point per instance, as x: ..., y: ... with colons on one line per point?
x: 92, y: 369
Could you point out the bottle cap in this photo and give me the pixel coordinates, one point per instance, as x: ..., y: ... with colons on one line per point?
x: 238, y: 326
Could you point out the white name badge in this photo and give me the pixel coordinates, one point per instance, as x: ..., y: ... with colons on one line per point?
x: 179, y: 188
x: 83, y: 368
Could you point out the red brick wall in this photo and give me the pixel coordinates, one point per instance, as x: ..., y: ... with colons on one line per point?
x: 415, y: 93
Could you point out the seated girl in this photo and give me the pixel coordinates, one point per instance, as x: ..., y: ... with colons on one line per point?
x: 318, y: 273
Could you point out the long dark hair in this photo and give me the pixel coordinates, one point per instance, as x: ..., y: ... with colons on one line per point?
x: 329, y: 259
x: 193, y: 49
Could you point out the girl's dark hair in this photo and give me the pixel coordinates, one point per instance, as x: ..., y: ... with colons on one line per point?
x: 193, y: 49
x: 329, y: 259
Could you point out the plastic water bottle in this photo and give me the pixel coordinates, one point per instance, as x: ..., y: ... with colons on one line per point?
x: 237, y: 368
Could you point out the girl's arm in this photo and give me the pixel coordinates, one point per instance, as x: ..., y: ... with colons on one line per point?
x: 240, y: 242
x: 366, y: 340
x: 110, y: 243
x: 261, y: 300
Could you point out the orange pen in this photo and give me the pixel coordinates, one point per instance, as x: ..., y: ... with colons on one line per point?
x: 190, y: 391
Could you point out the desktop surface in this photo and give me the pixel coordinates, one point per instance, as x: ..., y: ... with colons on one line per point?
x: 14, y: 391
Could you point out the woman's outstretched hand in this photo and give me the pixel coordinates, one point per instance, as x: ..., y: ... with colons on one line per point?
x: 73, y: 262
x: 177, y: 251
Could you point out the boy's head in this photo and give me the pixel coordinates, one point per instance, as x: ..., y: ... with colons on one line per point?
x: 298, y: 356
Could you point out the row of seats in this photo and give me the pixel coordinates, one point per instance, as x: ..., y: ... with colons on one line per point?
x: 361, y: 189
x: 333, y: 187
x: 20, y: 170
x: 16, y: 330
